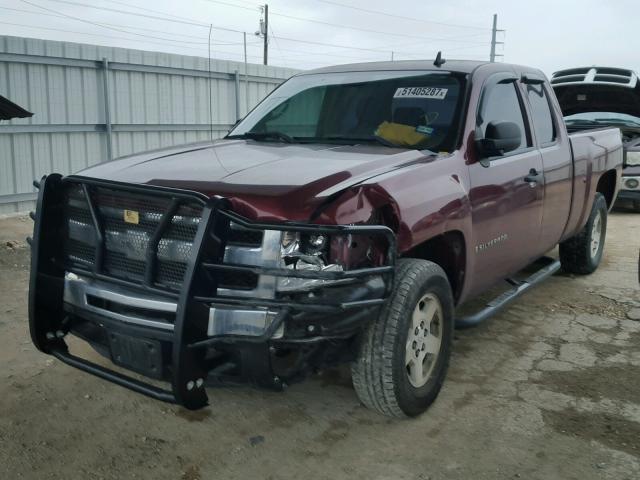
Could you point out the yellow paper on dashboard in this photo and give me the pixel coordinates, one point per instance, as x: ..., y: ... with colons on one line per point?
x: 400, y: 135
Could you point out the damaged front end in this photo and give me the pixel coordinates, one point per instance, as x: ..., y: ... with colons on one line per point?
x: 177, y: 287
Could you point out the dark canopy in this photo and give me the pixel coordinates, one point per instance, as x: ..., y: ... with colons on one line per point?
x: 9, y: 110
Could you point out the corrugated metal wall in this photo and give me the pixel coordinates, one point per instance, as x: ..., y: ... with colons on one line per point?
x: 149, y: 100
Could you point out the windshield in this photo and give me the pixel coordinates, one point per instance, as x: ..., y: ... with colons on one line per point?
x: 399, y: 109
x: 603, y: 118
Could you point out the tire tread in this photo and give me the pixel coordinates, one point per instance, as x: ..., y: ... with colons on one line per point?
x: 575, y: 255
x: 372, y: 372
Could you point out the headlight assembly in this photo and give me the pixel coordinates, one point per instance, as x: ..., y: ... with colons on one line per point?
x: 632, y: 158
x: 631, y: 183
x: 305, y: 252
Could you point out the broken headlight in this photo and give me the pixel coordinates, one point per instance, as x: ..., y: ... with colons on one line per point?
x: 305, y: 252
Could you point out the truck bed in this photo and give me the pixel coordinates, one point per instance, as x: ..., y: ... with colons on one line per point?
x: 600, y: 149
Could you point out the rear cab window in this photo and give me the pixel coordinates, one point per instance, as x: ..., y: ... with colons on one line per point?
x: 541, y: 115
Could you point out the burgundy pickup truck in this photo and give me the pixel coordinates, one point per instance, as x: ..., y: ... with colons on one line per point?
x: 343, y: 220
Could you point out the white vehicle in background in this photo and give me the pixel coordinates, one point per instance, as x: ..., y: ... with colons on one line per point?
x: 609, y: 97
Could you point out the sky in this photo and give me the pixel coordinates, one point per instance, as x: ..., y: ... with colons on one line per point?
x: 305, y: 34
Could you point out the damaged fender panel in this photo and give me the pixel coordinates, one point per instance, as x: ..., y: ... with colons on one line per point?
x: 424, y: 205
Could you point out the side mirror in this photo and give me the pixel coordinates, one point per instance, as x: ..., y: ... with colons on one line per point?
x: 500, y: 138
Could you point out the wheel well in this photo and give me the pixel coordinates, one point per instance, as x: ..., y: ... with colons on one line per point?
x: 607, y: 186
x: 448, y: 251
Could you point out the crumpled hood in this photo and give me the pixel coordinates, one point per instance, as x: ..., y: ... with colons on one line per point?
x: 264, y: 181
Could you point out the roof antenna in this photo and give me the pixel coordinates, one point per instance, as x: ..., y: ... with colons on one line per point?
x: 439, y: 60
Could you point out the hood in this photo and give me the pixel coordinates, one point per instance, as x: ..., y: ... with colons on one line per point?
x: 264, y: 181
x: 597, y: 89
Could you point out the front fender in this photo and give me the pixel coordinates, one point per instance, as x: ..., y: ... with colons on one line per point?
x: 415, y: 205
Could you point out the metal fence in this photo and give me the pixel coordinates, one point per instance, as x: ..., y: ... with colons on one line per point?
x: 94, y: 103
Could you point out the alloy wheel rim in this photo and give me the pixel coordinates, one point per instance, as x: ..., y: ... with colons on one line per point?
x: 423, y: 340
x: 596, y: 235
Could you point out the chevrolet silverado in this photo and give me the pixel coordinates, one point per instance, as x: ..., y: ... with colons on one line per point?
x: 344, y: 220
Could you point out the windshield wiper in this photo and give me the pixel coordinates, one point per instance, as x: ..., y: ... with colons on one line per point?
x: 265, y: 136
x: 376, y: 139
x: 580, y: 121
x: 357, y: 140
x: 347, y: 140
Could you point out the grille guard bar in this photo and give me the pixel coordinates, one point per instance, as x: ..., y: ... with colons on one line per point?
x: 48, y: 323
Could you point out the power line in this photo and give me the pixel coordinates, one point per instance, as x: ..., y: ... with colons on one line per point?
x: 404, y: 44
x: 387, y: 14
x: 191, y: 22
x: 55, y: 15
x: 322, y: 54
x: 33, y: 12
x: 303, y: 52
x: 207, y: 26
x: 275, y: 39
x: 348, y: 27
x: 150, y: 10
x: 378, y: 12
x: 99, y: 24
x: 335, y: 45
x: 38, y: 27
x: 234, y: 5
x: 203, y: 49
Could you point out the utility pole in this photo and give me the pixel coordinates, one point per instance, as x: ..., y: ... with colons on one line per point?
x: 246, y: 74
x: 494, y: 31
x: 266, y: 33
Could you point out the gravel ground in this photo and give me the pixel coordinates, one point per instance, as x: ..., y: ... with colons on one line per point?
x: 549, y: 389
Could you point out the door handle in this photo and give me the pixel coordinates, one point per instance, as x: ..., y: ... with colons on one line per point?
x: 533, y: 176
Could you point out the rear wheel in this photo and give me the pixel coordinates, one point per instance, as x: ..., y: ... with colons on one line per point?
x: 404, y: 353
x: 582, y: 254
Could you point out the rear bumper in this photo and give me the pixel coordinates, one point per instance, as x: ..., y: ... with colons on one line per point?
x: 193, y: 334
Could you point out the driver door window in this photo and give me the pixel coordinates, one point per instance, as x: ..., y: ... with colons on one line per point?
x: 500, y: 103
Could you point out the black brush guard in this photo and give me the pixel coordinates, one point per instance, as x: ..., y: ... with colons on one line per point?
x: 49, y: 323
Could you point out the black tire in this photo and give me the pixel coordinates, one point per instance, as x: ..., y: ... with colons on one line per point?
x: 576, y: 255
x: 635, y: 205
x: 380, y: 374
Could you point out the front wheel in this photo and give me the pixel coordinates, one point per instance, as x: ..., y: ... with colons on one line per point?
x: 404, y: 354
x: 582, y: 254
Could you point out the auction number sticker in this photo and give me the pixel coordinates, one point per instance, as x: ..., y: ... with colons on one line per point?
x: 421, y: 92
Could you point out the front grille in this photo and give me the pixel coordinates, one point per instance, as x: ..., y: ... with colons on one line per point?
x: 237, y: 280
x: 126, y: 242
x: 611, y: 78
x: 245, y: 237
x: 595, y: 75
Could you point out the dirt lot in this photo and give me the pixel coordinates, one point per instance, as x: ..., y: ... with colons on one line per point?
x: 549, y: 389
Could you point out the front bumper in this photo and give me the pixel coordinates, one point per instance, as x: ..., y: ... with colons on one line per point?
x: 629, y: 195
x: 630, y: 188
x: 193, y: 334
